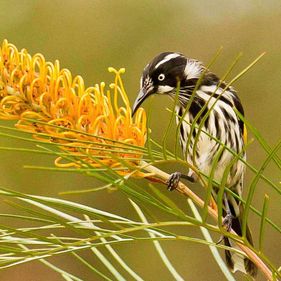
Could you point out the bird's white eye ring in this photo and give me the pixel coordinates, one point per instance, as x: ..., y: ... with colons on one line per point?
x: 161, y: 77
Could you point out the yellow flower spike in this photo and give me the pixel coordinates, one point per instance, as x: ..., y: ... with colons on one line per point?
x: 86, y: 122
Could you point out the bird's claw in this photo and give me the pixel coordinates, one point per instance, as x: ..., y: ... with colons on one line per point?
x: 173, y: 181
x: 220, y: 240
x: 227, y: 223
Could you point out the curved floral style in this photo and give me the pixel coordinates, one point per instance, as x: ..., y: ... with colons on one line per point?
x: 58, y: 108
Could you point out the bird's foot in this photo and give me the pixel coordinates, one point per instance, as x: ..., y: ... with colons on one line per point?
x: 227, y: 223
x: 174, y: 179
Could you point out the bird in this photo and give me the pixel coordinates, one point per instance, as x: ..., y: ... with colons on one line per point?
x: 219, y: 133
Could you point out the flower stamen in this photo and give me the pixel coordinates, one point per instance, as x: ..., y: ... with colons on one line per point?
x: 87, y: 122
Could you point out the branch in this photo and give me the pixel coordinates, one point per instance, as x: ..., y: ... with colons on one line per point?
x: 162, y: 177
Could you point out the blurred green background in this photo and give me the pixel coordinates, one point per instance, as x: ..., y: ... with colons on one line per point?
x: 87, y: 37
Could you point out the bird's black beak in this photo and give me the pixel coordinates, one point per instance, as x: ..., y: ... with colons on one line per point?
x: 143, y: 94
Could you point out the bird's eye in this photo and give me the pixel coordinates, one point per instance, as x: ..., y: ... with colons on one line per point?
x: 161, y: 77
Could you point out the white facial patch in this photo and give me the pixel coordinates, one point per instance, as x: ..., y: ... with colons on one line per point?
x: 165, y: 89
x: 167, y: 58
x: 193, y: 69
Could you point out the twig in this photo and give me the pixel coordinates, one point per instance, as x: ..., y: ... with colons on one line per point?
x: 184, y: 190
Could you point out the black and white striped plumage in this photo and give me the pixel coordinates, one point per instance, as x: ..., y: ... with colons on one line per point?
x: 170, y: 72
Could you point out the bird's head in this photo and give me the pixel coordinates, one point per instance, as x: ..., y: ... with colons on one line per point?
x: 165, y: 73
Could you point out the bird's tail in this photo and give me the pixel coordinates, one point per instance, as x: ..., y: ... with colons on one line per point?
x: 234, y: 260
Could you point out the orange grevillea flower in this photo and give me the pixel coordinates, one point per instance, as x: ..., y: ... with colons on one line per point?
x: 88, y: 123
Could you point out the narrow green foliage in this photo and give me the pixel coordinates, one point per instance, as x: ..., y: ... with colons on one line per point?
x: 213, y: 249
x: 253, y: 186
x: 262, y: 225
x: 157, y: 245
x: 209, y: 189
x: 53, y: 226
